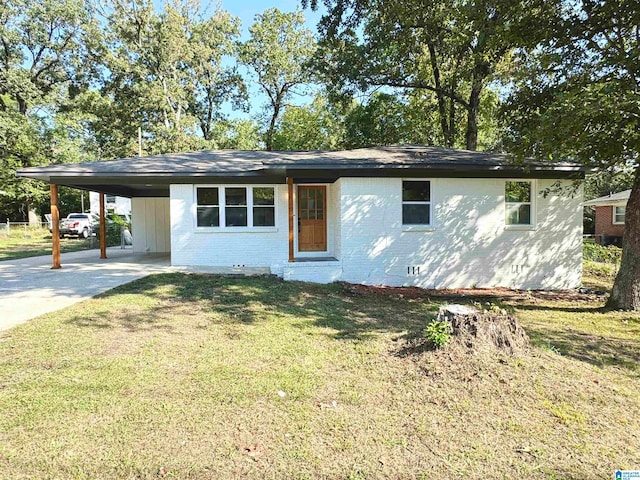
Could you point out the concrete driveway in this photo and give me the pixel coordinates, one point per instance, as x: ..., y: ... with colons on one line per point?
x: 29, y: 288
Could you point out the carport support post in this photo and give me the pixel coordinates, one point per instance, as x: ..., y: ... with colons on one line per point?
x: 103, y: 229
x: 290, y: 198
x: 55, y: 228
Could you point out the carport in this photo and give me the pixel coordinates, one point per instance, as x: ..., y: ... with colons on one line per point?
x: 149, y: 200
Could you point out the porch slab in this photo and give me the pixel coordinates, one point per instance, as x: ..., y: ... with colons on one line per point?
x: 317, y: 270
x: 315, y: 259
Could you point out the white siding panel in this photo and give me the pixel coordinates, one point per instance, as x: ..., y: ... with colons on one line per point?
x: 150, y: 220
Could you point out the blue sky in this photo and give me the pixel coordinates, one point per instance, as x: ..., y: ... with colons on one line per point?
x: 246, y: 11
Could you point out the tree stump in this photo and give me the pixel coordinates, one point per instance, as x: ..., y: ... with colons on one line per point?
x: 484, y: 329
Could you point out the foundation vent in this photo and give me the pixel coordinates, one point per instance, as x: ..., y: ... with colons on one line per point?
x: 413, y: 271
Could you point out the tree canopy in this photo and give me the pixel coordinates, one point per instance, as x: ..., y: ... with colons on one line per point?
x: 278, y: 53
x: 577, y: 96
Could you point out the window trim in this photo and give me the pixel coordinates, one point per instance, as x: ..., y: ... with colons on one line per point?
x: 222, y: 204
x: 418, y: 227
x: 614, y: 215
x: 532, y: 225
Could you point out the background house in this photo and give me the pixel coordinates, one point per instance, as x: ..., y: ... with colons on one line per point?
x: 113, y: 204
x: 609, y: 217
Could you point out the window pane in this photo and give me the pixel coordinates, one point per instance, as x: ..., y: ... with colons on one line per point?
x: 518, y: 191
x: 236, y: 216
x: 519, y: 214
x: 416, y: 191
x: 263, y: 196
x: 236, y: 196
x: 413, y: 214
x: 620, y: 214
x: 207, y: 196
x: 264, y: 216
x: 208, y: 216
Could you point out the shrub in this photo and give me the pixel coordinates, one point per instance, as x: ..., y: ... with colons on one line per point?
x: 438, y: 332
x: 599, y: 253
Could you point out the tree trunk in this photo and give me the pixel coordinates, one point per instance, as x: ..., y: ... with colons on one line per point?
x: 272, y: 125
x: 33, y: 217
x: 480, y: 73
x: 626, y: 289
x: 442, y: 107
x: 471, y: 136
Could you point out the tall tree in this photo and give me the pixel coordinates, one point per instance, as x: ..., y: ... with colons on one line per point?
x: 450, y: 48
x: 278, y: 53
x: 578, y: 97
x: 41, y: 56
x: 165, y: 71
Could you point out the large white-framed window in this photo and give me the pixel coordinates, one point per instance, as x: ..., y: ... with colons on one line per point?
x: 264, y: 206
x: 619, y: 214
x: 416, y: 203
x: 208, y: 207
x: 519, y: 205
x: 235, y: 207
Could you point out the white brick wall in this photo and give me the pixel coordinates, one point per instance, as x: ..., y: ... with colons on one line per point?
x: 257, y: 248
x: 467, y: 246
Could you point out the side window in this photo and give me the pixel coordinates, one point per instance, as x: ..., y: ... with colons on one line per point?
x: 619, y: 215
x: 416, y: 202
x: 208, y: 208
x: 518, y: 203
x: 264, y: 209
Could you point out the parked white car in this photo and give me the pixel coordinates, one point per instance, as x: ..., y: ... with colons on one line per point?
x: 80, y: 225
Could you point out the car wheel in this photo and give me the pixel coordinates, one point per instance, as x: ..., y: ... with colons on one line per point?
x: 62, y: 235
x: 85, y: 233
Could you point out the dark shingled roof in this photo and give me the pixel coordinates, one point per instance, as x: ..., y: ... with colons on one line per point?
x: 243, y: 161
x: 196, y: 167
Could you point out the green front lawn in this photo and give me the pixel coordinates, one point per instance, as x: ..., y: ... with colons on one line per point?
x: 21, y: 244
x: 195, y: 376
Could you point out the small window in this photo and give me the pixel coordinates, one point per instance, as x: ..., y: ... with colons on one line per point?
x: 235, y: 207
x: 264, y: 210
x: 208, y: 209
x: 416, y: 203
x: 619, y: 215
x: 518, y: 203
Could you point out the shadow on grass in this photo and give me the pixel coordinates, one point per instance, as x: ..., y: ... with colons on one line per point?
x: 248, y: 300
x: 559, y: 308
x: 336, y: 309
x: 594, y: 349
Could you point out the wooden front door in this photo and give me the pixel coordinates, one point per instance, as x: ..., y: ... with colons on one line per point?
x: 312, y: 219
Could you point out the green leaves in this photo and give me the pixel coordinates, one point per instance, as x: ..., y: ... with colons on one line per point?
x: 278, y: 53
